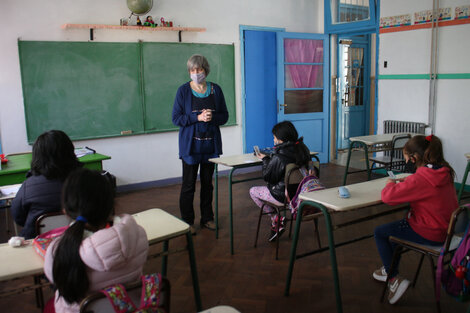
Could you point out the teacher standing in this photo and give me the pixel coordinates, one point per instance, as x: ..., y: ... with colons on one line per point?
x: 199, y: 110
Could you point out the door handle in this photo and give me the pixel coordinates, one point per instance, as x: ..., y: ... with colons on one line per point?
x: 283, y: 105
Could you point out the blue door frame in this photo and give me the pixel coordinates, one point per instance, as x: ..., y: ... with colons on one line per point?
x: 352, y: 121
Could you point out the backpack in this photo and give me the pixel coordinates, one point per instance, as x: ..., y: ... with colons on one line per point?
x: 310, y: 182
x: 149, y: 301
x: 455, y: 279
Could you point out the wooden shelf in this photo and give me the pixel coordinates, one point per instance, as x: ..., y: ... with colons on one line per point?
x: 91, y: 27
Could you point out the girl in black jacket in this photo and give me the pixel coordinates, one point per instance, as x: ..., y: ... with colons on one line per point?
x: 288, y: 148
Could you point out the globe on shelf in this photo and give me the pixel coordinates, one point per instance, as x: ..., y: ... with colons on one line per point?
x: 139, y: 7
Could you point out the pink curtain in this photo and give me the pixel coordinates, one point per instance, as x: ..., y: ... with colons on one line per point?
x: 303, y: 51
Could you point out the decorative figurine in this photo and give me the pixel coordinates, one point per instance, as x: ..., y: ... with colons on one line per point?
x: 149, y: 22
x: 139, y: 23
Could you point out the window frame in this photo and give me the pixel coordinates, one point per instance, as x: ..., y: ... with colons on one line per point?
x: 347, y: 27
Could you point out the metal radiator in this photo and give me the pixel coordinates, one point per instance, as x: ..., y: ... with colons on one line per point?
x: 403, y: 127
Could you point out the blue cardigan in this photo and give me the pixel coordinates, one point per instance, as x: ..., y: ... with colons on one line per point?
x: 183, y: 117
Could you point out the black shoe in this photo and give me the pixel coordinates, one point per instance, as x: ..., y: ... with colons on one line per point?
x: 273, y: 235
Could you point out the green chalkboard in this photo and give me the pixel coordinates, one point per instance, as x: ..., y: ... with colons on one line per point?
x: 96, y: 90
x: 164, y: 67
x: 88, y: 90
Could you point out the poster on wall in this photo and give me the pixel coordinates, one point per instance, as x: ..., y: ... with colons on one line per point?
x: 395, y: 21
x: 426, y: 15
x: 462, y: 12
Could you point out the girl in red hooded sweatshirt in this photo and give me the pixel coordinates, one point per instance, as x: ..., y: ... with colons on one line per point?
x: 432, y: 197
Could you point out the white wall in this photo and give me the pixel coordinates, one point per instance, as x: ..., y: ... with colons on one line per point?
x: 409, y: 52
x: 139, y: 158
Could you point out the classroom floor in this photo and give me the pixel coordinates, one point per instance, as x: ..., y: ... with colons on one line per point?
x: 252, y: 280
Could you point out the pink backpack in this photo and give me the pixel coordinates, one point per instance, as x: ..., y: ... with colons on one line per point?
x: 308, y: 183
x: 456, y: 277
x: 149, y: 301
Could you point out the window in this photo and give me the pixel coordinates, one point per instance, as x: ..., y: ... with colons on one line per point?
x: 349, y: 15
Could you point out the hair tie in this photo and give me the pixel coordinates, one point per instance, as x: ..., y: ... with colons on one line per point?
x: 296, y: 142
x: 429, y: 138
x: 81, y: 219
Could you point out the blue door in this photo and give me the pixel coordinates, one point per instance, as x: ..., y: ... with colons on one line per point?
x: 352, y: 89
x: 260, y: 88
x: 303, y: 87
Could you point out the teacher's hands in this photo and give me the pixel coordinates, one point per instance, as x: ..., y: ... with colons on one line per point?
x: 205, y: 116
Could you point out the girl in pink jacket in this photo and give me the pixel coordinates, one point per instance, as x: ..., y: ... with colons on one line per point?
x: 97, y: 250
x: 432, y: 198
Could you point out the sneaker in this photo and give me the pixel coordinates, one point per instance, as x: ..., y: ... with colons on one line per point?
x: 380, y: 274
x: 273, y: 234
x: 193, y: 230
x: 209, y: 225
x: 397, y: 288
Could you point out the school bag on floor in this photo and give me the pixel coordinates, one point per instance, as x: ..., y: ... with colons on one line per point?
x: 310, y: 182
x: 455, y: 277
x: 149, y: 301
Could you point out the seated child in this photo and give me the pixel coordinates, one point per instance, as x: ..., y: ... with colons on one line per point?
x: 288, y: 148
x: 432, y: 197
x: 98, y: 249
x: 53, y: 159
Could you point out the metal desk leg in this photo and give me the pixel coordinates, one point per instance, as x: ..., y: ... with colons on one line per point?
x: 293, y: 249
x: 230, y: 208
x: 192, y: 263
x: 331, y: 243
x: 464, y: 180
x: 347, y: 163
x: 166, y: 244
x: 366, y: 157
x: 216, y: 201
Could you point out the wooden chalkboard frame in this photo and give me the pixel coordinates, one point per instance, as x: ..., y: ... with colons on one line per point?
x: 98, y: 89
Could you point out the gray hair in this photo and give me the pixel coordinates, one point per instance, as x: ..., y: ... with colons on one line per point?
x: 198, y: 61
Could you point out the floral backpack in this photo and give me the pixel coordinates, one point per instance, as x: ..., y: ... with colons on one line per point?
x: 149, y: 301
x: 310, y: 182
x: 455, y: 277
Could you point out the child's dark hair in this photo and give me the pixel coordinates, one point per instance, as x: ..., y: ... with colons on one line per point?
x: 87, y: 197
x: 286, y: 132
x: 427, y: 150
x: 53, y: 155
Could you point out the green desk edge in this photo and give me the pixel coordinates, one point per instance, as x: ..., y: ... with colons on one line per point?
x: 14, y: 171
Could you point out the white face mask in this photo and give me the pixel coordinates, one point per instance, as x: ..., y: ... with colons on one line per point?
x: 198, y: 78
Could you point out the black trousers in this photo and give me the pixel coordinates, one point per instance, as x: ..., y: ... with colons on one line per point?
x: 188, y: 188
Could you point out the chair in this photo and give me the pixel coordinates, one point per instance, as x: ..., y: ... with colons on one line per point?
x: 97, y: 302
x: 457, y: 225
x: 51, y: 220
x: 393, y: 159
x: 292, y: 178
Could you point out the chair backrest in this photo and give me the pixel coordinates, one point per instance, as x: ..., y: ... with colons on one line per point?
x: 51, y: 220
x: 97, y: 302
x: 457, y: 225
x: 294, y: 176
x: 398, y: 142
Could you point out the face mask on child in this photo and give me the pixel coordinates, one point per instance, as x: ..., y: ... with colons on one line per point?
x: 198, y: 78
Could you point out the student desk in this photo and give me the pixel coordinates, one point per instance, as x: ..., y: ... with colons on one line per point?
x: 465, y: 175
x: 371, y: 143
x: 159, y: 225
x: 327, y: 200
x: 235, y: 162
x: 14, y: 171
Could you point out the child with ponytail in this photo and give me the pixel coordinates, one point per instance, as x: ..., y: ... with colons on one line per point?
x: 288, y: 148
x: 98, y: 249
x: 432, y: 198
